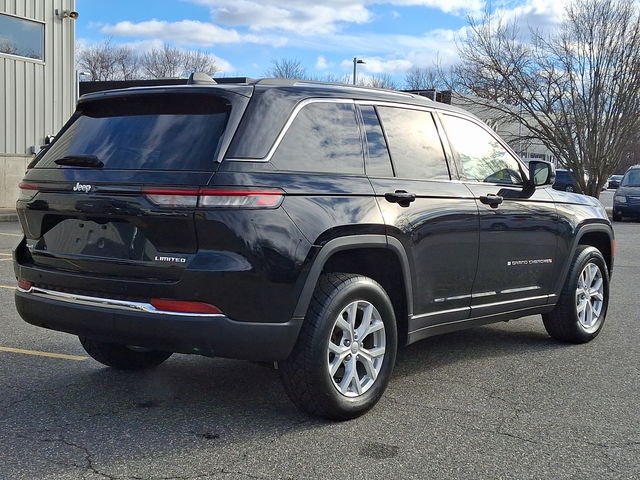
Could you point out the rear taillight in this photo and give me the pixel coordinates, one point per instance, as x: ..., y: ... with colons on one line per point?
x: 216, y: 198
x: 24, y: 284
x: 181, y: 306
x: 27, y: 191
x: 167, y: 197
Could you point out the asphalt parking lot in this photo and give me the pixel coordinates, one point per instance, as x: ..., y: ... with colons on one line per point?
x: 497, y: 402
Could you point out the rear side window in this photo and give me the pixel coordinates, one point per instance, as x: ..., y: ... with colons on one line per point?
x: 416, y: 149
x: 324, y: 137
x: 147, y: 132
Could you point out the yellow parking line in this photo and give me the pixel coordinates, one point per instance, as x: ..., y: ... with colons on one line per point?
x: 42, y: 354
x: 7, y: 286
x: 12, y: 234
x: 5, y: 259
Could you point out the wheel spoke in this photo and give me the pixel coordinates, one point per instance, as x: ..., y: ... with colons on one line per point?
x: 340, y: 353
x: 355, y: 355
x: 351, y: 383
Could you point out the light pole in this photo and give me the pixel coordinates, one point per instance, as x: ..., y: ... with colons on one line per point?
x: 355, y: 64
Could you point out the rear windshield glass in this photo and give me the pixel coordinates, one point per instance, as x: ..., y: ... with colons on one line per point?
x: 146, y: 132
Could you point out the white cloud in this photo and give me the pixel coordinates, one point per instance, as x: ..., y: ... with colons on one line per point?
x: 379, y: 65
x: 318, y: 17
x: 187, y: 32
x: 321, y: 63
x: 312, y: 18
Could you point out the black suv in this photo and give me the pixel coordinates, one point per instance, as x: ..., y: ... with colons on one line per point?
x: 315, y: 225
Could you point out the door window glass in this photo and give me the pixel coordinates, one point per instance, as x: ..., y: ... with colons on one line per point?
x: 483, y: 158
x: 378, y: 160
x: 416, y: 150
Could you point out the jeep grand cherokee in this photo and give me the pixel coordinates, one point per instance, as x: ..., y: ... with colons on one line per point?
x: 320, y: 226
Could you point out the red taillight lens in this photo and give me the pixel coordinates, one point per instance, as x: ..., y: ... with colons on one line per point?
x: 180, y: 306
x: 215, y: 198
x: 27, y: 191
x: 24, y: 284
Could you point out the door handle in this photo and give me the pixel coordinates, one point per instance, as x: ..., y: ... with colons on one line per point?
x: 401, y: 197
x: 491, y: 199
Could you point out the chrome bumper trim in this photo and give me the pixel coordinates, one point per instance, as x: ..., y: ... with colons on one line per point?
x: 108, y: 303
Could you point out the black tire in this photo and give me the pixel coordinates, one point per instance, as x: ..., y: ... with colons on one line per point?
x: 121, y: 356
x: 328, y: 342
x: 617, y: 218
x: 579, y: 315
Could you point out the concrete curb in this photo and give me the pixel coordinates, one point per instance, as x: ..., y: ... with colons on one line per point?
x: 8, y: 215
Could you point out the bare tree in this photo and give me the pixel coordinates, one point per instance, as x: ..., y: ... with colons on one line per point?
x: 577, y: 90
x: 197, y: 61
x: 283, y: 68
x: 165, y: 62
x: 332, y: 78
x: 421, y: 79
x: 7, y: 45
x: 108, y: 62
x: 384, y: 80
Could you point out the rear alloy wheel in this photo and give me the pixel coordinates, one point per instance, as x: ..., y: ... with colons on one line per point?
x: 346, y: 349
x: 123, y: 357
x: 579, y: 315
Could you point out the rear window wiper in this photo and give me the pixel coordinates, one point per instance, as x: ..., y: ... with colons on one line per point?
x: 90, y: 161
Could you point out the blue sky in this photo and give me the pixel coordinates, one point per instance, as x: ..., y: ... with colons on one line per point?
x: 323, y: 35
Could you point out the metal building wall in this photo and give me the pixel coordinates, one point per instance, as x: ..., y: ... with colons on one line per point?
x: 36, y: 97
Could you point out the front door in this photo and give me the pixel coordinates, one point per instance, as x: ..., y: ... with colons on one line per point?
x: 518, y: 233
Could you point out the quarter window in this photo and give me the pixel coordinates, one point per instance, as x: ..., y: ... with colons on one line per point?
x: 483, y: 158
x: 21, y: 37
x: 324, y: 137
x: 416, y: 150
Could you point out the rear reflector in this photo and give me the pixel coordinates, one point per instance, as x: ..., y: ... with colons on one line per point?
x: 216, y: 198
x: 24, y: 284
x: 181, y: 306
x: 27, y: 191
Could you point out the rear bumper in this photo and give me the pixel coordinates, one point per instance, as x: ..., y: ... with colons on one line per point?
x: 141, y: 325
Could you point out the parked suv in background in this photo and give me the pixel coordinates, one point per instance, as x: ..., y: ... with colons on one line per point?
x: 317, y: 225
x: 626, y: 199
x: 565, y: 181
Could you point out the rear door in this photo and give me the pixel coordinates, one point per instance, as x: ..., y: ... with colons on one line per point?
x: 432, y: 216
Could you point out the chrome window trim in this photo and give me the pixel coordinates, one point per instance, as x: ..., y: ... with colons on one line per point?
x: 309, y: 101
x: 108, y: 303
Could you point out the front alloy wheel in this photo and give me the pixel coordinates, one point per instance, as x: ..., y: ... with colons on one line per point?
x: 590, y: 297
x: 579, y: 315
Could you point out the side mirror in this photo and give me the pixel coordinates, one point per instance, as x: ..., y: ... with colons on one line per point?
x: 541, y: 173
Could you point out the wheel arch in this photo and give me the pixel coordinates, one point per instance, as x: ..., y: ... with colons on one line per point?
x: 378, y: 257
x: 597, y: 236
x: 600, y: 239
